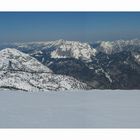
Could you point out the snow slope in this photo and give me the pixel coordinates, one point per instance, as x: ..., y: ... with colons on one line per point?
x: 20, y: 61
x: 77, y: 109
x: 22, y: 72
x: 38, y: 81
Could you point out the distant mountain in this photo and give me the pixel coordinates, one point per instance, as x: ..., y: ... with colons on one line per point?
x: 58, y: 49
x: 101, y: 65
x: 22, y: 72
x: 111, y: 47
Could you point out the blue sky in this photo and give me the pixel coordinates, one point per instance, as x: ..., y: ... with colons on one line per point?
x: 89, y: 26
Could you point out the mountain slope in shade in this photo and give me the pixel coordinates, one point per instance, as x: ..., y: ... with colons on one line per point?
x: 22, y: 72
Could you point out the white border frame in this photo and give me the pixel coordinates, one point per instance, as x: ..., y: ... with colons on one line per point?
x: 71, y: 5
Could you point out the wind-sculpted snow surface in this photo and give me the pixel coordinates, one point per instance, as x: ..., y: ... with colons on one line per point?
x: 70, y: 109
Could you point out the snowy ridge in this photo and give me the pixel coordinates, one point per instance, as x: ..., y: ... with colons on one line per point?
x: 71, y: 49
x: 22, y: 72
x: 38, y: 81
x: 76, y: 49
x: 16, y: 60
x: 60, y: 49
x: 109, y: 47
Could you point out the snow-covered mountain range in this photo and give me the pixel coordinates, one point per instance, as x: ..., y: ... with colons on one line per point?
x: 110, y: 47
x: 75, y: 49
x: 59, y: 49
x: 99, y: 65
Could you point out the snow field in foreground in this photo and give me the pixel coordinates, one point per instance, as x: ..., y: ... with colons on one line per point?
x: 70, y: 109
